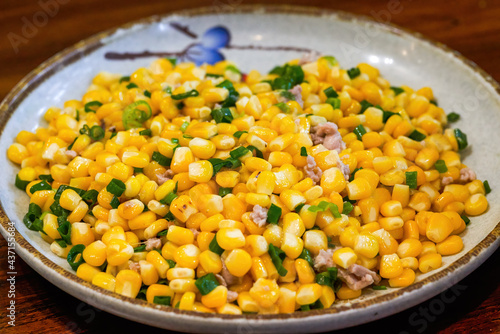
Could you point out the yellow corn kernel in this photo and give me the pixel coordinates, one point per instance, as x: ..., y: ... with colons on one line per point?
x: 128, y: 283
x: 265, y: 292
x: 359, y: 189
x: 366, y: 245
x: 420, y: 201
x: 158, y: 290
x: 429, y: 262
x: 238, y: 262
x: 105, y: 281
x: 215, y: 298
x: 304, y: 271
x: 476, y: 204
x: 344, y: 257
x: 118, y: 252
x: 200, y: 171
x: 227, y: 179
x: 87, y: 272
x: 187, y: 256
x: 308, y: 293
x: 390, y: 266
x: 332, y: 180
x: 391, y: 223
x: 439, y: 227
x: 182, y: 208
x: 95, y: 253
x: 450, y: 246
x: 409, y: 248
x: 347, y: 293
x: 81, y: 233
x: 210, y: 262
x: 159, y: 262
x: 180, y: 235
x: 406, y: 278
x: 315, y: 240
x: 230, y: 238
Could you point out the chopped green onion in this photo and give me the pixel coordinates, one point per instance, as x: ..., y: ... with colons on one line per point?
x: 133, y: 116
x: 330, y: 92
x: 46, y: 177
x: 171, y: 263
x: 283, y: 107
x: 162, y: 300
x: 162, y: 233
x: 303, y: 151
x: 331, y: 60
x: 161, y: 159
x: 453, y: 117
x: 140, y: 248
x: 172, y: 61
x: 40, y: 186
x: 365, y: 105
x: 353, y: 72
x: 299, y: 207
x: 487, y: 188
x: 277, y: 256
x: 21, y: 184
x: 305, y: 307
x: 351, y: 177
x: 233, y: 68
x: 168, y: 90
x: 137, y: 170
x: 347, y: 208
x: 96, y: 133
x: 230, y: 101
x: 191, y: 93
x: 92, y: 106
x: 77, y: 117
x: 224, y: 191
x: 411, y: 179
x: 397, y: 90
x: 74, y: 254
x: 146, y: 132
x: 206, y: 284
x: 324, y: 279
x: 90, y: 197
x: 273, y: 214
x: 461, y: 139
x: 239, y: 152
x: 222, y: 115
x: 465, y: 219
x: 175, y: 140
x: 170, y: 217
x: 184, y: 126
x: 306, y: 255
x: 214, y: 246
x: 218, y: 164
x: 147, y: 93
x: 61, y: 243
x: 258, y: 153
x: 122, y: 79
x: 379, y: 287
x: 359, y: 131
x: 440, y: 166
x: 213, y: 75
x: 417, y: 135
x: 287, y: 95
x: 238, y: 134
x: 169, y: 198
x: 116, y: 187
x: 115, y: 202
x: 334, y: 102
x: 132, y: 85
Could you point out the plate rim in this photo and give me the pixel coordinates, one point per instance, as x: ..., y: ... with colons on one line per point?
x: 59, y: 275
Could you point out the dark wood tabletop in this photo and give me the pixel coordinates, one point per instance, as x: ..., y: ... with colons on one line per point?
x: 471, y: 27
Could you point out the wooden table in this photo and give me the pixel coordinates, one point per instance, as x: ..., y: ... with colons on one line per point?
x: 471, y: 27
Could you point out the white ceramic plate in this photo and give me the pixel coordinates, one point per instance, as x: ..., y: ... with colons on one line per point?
x: 259, y: 38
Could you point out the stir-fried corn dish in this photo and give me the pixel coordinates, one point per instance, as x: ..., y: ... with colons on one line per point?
x: 210, y: 190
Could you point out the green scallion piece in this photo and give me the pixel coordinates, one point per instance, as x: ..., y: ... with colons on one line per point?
x: 440, y: 166
x: 379, y: 287
x: 171, y: 263
x: 161, y: 159
x: 222, y: 115
x: 61, y: 243
x: 359, y: 131
x: 75, y: 257
x: 175, y: 140
x: 283, y: 107
x: 64, y: 229
x: 115, y: 202
x: 465, y: 219
x: 137, y: 170
x: 116, y: 187
x: 135, y: 114
x: 238, y: 134
x: 191, y: 93
x: 172, y: 61
x: 303, y: 152
x: 353, y: 72
x: 124, y: 79
x: 453, y: 117
x: 92, y: 106
x: 347, y: 208
x: 162, y: 300
x: 90, y: 197
x: 239, y: 152
x: 147, y: 93
x: 461, y: 139
x: 224, y: 191
x: 487, y: 188
x: 277, y: 256
x: 411, y: 179
x: 184, y: 126
x: 213, y: 75
x: 162, y: 233
x: 206, y: 284
x: 40, y: 186
x: 214, y: 246
x: 169, y: 198
x: 96, y: 133
x: 46, y: 177
x: 330, y: 92
x: 417, y: 135
x: 334, y: 102
x: 306, y: 255
x: 131, y: 85
x: 351, y: 177
x: 273, y: 214
x: 331, y: 60
x: 139, y: 249
x: 365, y: 105
x: 397, y: 90
x: 21, y: 184
x: 146, y: 132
